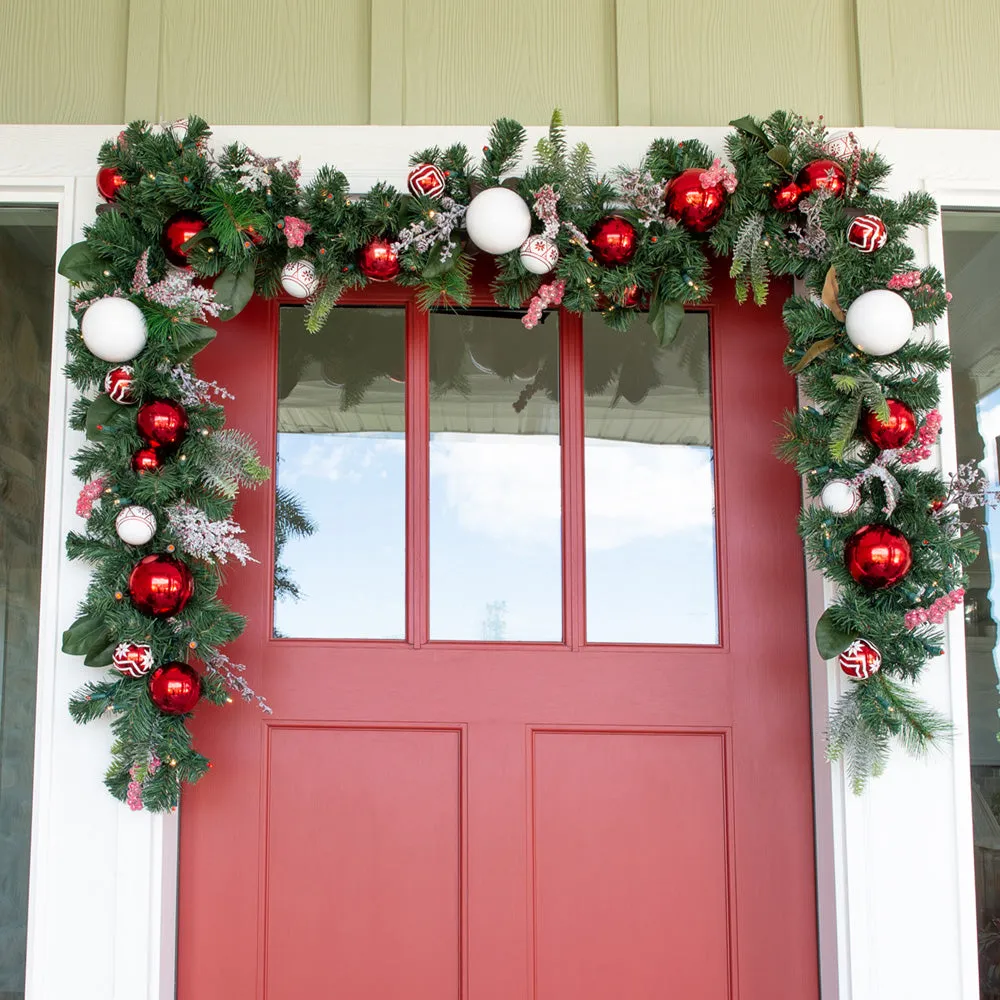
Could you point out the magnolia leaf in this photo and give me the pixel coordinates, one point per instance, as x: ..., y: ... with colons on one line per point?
x: 666, y: 321
x: 85, y: 634
x: 102, y: 412
x: 437, y: 265
x: 830, y: 293
x: 79, y: 263
x: 102, y: 656
x: 831, y: 639
x: 188, y: 342
x: 513, y: 183
x: 815, y: 350
x: 234, y: 289
x: 781, y: 155
x: 749, y: 126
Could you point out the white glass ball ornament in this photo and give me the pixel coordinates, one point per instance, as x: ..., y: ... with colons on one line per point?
x: 539, y: 254
x: 135, y: 525
x: 840, y: 497
x: 879, y: 322
x: 113, y: 329
x: 298, y: 278
x: 498, y: 220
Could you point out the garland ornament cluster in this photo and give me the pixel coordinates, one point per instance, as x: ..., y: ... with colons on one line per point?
x: 188, y: 234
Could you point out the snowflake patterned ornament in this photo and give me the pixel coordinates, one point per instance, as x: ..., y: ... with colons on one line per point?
x: 133, y: 659
x: 860, y: 660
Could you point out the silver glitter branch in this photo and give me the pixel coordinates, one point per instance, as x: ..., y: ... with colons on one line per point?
x: 436, y: 228
x: 232, y: 675
x: 203, y: 538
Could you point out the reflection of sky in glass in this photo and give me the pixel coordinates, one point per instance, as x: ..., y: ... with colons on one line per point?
x: 352, y: 571
x: 988, y: 417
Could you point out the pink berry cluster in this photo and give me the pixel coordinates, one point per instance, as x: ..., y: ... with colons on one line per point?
x: 138, y: 772
x: 296, y: 230
x: 926, y: 436
x: 718, y: 174
x: 547, y: 295
x: 937, y: 612
x: 89, y: 496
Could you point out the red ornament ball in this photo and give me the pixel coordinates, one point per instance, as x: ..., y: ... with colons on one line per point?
x: 867, y: 233
x: 632, y: 298
x: 378, y: 261
x: 118, y: 384
x: 175, y: 688
x: 179, y: 229
x: 877, y: 556
x: 860, y: 660
x: 694, y: 206
x: 160, y: 585
x: 612, y: 241
x: 896, y: 432
x: 425, y: 179
x: 133, y: 659
x: 109, y: 181
x: 822, y: 175
x: 162, y: 423
x: 147, y: 460
x: 787, y: 197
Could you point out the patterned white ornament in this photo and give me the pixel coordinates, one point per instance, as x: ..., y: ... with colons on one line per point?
x: 135, y: 525
x: 298, y: 278
x: 133, y: 659
x: 113, y: 329
x: 860, y: 660
x: 879, y: 322
x: 498, y: 220
x: 840, y: 497
x: 840, y: 146
x: 867, y: 233
x: 539, y: 254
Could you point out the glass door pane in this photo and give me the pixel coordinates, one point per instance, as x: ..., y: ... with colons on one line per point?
x: 495, y: 487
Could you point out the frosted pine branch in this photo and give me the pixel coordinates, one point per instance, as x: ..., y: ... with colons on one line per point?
x: 213, y: 541
x: 233, y: 464
x: 231, y: 674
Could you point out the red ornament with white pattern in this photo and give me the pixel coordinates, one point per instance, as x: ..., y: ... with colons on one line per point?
x: 867, y: 233
x: 133, y: 659
x: 378, y: 261
x: 860, y: 660
x: 118, y: 384
x: 425, y: 180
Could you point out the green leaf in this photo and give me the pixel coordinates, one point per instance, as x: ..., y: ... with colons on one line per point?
x: 234, y: 289
x: 831, y: 639
x: 844, y: 427
x: 781, y: 155
x: 748, y: 125
x: 435, y: 267
x: 188, y: 342
x: 666, y: 320
x: 79, y: 263
x: 100, y: 656
x: 84, y: 635
x: 103, y: 412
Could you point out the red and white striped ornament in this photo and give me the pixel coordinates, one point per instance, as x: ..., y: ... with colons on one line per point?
x: 860, y: 660
x: 425, y: 179
x: 118, y: 384
x: 867, y: 233
x: 133, y: 659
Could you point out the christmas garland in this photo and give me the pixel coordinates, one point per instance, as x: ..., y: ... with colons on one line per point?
x: 162, y: 473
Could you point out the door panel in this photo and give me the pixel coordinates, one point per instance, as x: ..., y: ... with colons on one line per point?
x: 506, y: 820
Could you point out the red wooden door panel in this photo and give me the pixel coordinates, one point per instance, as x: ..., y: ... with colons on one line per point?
x: 493, y: 821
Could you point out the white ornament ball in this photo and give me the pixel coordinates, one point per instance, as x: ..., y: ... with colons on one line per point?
x: 298, y: 278
x: 539, y: 254
x: 879, y: 322
x: 498, y: 220
x: 114, y: 329
x: 840, y: 497
x: 135, y: 525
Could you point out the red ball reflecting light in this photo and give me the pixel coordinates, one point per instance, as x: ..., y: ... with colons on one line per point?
x: 378, y: 261
x: 877, y: 556
x: 160, y: 585
x: 162, y: 423
x: 175, y: 688
x: 178, y: 230
x: 612, y: 241
x: 897, y: 432
x: 695, y: 207
x: 822, y: 175
x: 787, y: 197
x: 108, y: 183
x: 147, y: 460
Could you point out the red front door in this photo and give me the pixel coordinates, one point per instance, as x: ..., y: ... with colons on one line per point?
x: 452, y: 814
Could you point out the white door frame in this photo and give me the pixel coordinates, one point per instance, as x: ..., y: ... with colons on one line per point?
x: 895, y: 874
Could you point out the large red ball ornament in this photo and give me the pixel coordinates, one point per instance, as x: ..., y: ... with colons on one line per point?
x: 178, y: 230
x: 160, y: 585
x: 822, y: 175
x: 162, y: 423
x: 147, y: 460
x: 877, y: 556
x: 378, y: 261
x: 612, y: 241
x: 896, y: 432
x: 860, y: 660
x: 787, y: 197
x: 695, y: 207
x: 108, y: 183
x: 175, y: 688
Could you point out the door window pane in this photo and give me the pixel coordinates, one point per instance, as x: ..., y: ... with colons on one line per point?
x: 972, y: 256
x: 650, y: 485
x: 340, y: 513
x: 495, y: 493
x: 27, y: 275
